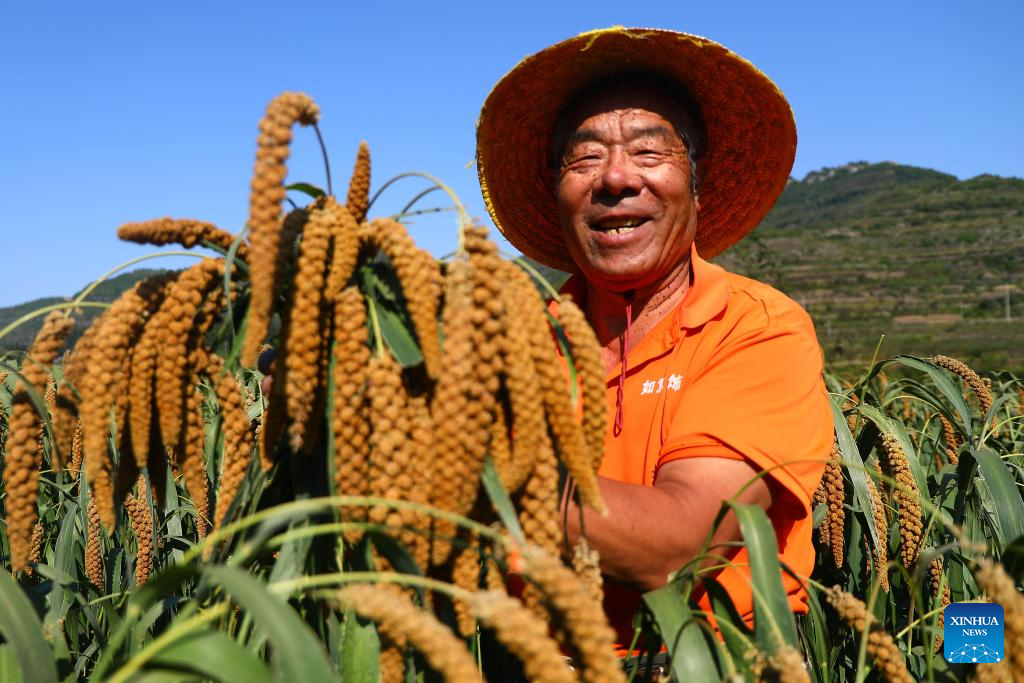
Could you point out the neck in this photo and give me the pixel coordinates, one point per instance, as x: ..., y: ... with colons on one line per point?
x: 606, y: 310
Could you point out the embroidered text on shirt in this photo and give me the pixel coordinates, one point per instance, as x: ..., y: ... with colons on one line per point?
x: 656, y: 386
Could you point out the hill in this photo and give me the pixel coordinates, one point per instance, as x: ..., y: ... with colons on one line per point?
x: 20, y: 338
x: 934, y: 263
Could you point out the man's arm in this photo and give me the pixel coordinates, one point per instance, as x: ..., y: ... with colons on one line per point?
x: 649, y: 532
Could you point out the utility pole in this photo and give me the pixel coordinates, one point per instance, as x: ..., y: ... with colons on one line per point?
x: 1007, y: 315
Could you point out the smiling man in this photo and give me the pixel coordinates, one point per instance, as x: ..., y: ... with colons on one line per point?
x: 626, y: 157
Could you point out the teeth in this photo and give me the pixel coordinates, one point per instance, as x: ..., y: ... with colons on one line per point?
x: 619, y: 231
x: 616, y: 226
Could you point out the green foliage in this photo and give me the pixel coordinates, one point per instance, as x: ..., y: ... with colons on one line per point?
x: 257, y: 600
x: 911, y: 253
x: 274, y: 619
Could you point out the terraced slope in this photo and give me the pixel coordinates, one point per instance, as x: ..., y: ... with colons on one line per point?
x: 914, y: 254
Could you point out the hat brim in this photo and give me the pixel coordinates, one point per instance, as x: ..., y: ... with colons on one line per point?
x: 750, y: 134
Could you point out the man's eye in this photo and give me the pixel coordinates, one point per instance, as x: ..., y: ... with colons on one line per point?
x: 582, y: 160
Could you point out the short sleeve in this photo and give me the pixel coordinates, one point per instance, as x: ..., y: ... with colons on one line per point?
x: 757, y: 393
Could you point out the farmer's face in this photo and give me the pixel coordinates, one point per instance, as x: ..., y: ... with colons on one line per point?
x: 624, y: 198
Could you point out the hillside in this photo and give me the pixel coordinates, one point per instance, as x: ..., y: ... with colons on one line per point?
x: 107, y: 291
x: 868, y: 249
x: 917, y: 255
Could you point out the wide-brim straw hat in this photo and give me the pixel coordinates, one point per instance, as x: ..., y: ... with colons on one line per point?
x: 748, y: 152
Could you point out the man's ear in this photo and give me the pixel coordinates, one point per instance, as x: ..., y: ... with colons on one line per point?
x: 701, y: 169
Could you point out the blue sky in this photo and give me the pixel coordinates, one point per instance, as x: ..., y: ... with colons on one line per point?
x: 116, y: 111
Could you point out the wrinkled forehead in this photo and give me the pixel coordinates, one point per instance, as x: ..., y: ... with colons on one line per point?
x: 629, y: 92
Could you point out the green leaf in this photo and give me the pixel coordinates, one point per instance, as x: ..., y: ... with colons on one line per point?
x: 382, y: 306
x: 818, y: 634
x: 360, y: 651
x: 164, y: 583
x: 1013, y: 559
x: 500, y: 500
x: 10, y: 672
x: 398, y: 338
x: 63, y: 562
x: 773, y: 620
x: 854, y: 467
x: 306, y: 189
x: 213, y: 655
x: 293, y: 553
x: 691, y: 653
x: 161, y: 676
x: 298, y: 653
x: 172, y: 515
x: 1006, y: 499
x: 730, y: 624
x: 397, y: 555
x: 21, y: 629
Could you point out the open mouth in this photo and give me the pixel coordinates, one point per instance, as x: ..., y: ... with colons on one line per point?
x: 618, y: 226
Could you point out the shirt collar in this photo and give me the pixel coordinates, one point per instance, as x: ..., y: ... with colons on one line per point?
x: 708, y: 294
x: 707, y: 297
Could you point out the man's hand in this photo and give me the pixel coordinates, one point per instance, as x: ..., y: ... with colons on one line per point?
x: 265, y: 364
x: 649, y: 532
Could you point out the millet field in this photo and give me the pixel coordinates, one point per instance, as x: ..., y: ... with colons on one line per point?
x: 389, y: 510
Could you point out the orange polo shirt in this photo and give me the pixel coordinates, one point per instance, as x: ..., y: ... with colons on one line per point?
x: 733, y: 372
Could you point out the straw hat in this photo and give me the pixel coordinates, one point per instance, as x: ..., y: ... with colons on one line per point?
x: 749, y: 128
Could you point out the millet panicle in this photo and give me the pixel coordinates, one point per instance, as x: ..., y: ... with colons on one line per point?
x: 266, y: 237
x: 184, y: 231
x: 906, y: 496
x: 398, y: 619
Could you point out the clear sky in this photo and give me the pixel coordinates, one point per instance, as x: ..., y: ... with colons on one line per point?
x: 116, y: 111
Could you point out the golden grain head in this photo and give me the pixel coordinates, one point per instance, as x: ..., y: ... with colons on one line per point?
x: 524, y: 635
x: 24, y: 453
x: 398, y: 619
x: 44, y: 350
x: 358, y: 198
x: 238, y: 444
x: 21, y: 473
x: 266, y: 236
x: 835, y: 517
x: 306, y: 324
x: 460, y: 449
x: 951, y: 439
x: 881, y: 549
x: 583, y: 621
x: 184, y: 231
x: 93, y: 546
x: 349, y: 421
x: 887, y: 658
x: 785, y: 666
x: 981, y: 390
x: 586, y: 351
x: 141, y: 518
x: 906, y: 496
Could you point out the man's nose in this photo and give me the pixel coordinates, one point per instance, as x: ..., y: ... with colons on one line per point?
x: 618, y: 176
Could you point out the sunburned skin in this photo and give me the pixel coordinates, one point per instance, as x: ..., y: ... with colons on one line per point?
x: 627, y: 210
x: 629, y: 218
